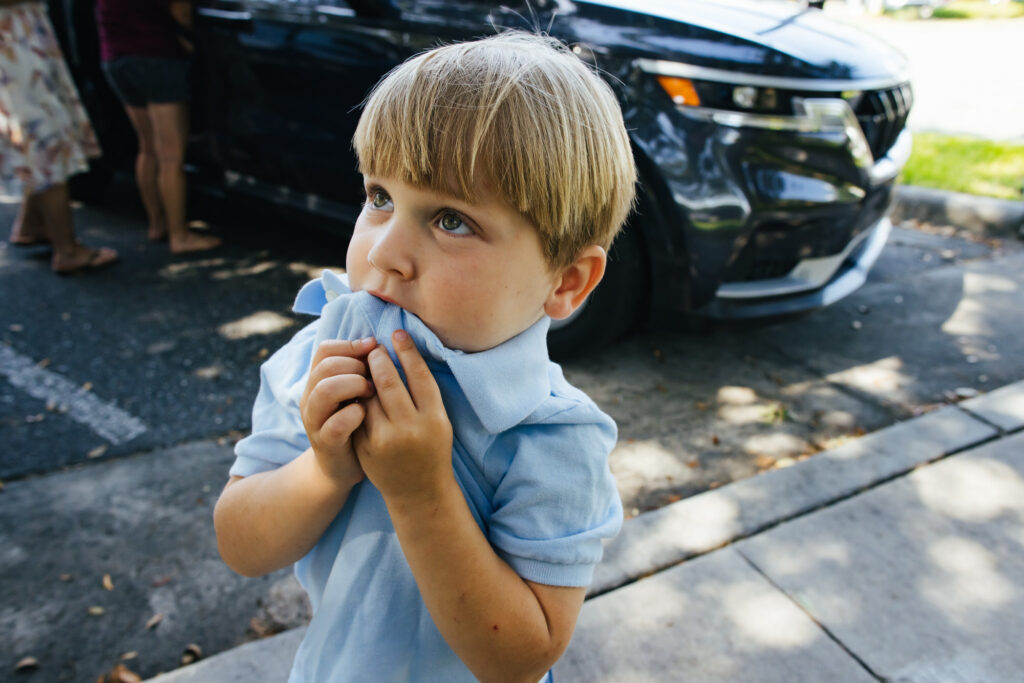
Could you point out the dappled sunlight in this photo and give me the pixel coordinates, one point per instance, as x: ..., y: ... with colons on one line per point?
x: 968, y: 580
x: 712, y: 520
x: 977, y: 490
x: 972, y: 312
x: 766, y: 618
x: 776, y: 444
x: 882, y: 376
x: 740, y: 396
x: 741, y: 405
x: 806, y: 559
x: 310, y: 270
x: 242, y: 271
x: 261, y: 322
x: 173, y: 270
x: 637, y: 465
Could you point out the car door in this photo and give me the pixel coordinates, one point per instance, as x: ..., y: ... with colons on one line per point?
x: 283, y: 81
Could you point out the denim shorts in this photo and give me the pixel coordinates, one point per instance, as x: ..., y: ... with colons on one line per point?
x: 139, y: 81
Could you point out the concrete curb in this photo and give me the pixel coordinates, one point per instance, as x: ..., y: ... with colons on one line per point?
x: 982, y: 215
x: 694, y: 526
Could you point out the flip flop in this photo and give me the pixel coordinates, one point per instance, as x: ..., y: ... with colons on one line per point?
x: 100, y: 257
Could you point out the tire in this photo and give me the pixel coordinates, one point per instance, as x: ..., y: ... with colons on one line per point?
x: 616, y: 307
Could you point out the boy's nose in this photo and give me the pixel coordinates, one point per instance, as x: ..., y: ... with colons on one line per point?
x: 392, y: 251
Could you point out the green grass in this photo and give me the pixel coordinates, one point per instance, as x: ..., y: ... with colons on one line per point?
x: 965, y: 9
x: 965, y: 164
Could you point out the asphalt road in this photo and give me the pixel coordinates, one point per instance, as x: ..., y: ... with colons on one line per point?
x: 122, y: 390
x: 163, y: 350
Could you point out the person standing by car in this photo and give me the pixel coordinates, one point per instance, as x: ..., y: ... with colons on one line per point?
x: 145, y: 58
x: 45, y: 137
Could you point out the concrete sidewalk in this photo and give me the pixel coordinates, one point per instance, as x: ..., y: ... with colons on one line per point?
x: 894, y: 557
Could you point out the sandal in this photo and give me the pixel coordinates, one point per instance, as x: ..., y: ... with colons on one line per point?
x: 94, y: 259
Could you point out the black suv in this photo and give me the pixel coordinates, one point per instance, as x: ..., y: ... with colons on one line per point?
x: 767, y: 137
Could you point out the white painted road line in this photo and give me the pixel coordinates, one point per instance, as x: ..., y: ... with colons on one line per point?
x: 110, y: 422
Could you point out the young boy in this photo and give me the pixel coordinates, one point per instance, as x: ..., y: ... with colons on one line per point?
x: 446, y: 527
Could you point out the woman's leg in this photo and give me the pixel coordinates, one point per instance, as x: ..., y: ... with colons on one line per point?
x: 146, y: 172
x: 27, y: 228
x: 170, y: 134
x: 54, y: 209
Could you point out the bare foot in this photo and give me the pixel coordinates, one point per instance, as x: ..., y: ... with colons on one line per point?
x: 194, y: 242
x: 82, y: 259
x: 157, y: 234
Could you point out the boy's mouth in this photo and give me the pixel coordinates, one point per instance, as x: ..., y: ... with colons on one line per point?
x: 383, y: 298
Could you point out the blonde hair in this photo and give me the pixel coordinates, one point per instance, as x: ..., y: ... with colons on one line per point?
x: 516, y: 114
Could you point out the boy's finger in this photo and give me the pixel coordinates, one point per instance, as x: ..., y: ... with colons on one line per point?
x: 341, y: 424
x: 391, y: 392
x: 422, y: 385
x: 328, y: 394
x: 354, y: 348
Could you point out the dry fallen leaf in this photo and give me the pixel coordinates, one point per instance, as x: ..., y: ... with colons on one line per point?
x: 97, y: 452
x: 87, y: 386
x: 763, y: 462
x: 692, y: 464
x: 154, y: 620
x: 26, y: 663
x: 673, y: 498
x: 128, y: 656
x: 107, y: 582
x: 192, y: 653
x: 120, y: 674
x: 715, y: 440
x: 43, y: 363
x: 96, y: 610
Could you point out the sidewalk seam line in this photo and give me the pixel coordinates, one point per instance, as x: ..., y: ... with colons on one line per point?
x: 825, y: 629
x: 983, y: 420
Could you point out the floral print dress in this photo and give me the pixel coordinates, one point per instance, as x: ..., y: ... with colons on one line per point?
x: 45, y: 134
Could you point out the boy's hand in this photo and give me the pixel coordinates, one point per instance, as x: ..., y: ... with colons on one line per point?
x: 330, y: 406
x: 405, y: 443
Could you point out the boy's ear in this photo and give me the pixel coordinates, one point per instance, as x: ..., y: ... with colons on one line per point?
x: 576, y: 281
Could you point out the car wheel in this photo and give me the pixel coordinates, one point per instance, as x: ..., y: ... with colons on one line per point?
x: 613, y: 309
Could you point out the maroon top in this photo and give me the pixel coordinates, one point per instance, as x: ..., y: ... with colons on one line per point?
x: 141, y: 28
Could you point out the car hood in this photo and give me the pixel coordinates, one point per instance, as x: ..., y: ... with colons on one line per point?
x: 754, y: 36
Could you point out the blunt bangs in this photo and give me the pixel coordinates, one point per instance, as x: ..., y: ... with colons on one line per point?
x: 516, y: 115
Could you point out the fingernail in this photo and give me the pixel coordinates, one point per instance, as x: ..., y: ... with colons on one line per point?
x: 366, y: 341
x: 401, y: 336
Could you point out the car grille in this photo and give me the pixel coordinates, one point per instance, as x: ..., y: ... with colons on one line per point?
x: 883, y: 114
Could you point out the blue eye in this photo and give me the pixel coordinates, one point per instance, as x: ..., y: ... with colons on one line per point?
x: 452, y: 223
x: 379, y: 199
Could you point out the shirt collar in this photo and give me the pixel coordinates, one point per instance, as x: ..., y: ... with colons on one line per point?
x: 503, y: 385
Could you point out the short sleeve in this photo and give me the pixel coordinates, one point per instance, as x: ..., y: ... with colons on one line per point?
x: 557, y: 500
x: 278, y: 436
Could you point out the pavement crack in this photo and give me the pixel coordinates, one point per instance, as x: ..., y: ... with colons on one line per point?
x: 824, y: 629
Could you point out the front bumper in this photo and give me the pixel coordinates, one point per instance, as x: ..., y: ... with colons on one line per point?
x: 793, y: 293
x: 816, y: 282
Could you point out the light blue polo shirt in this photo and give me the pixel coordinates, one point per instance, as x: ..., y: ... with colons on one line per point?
x: 530, y: 454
